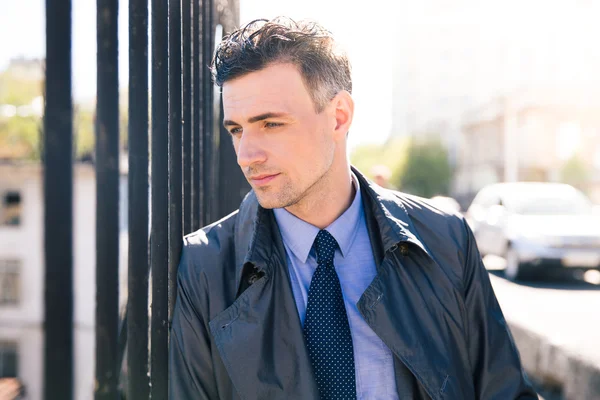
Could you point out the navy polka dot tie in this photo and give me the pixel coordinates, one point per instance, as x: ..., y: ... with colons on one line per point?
x: 326, y: 327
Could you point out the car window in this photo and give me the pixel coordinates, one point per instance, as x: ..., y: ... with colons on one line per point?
x: 556, y: 203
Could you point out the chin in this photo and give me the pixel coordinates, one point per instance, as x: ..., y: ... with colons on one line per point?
x: 272, y: 200
x: 269, y: 202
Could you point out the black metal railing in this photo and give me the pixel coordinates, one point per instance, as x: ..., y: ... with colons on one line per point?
x: 192, y: 181
x: 136, y: 321
x: 58, y: 203
x: 159, y: 233
x: 107, y: 200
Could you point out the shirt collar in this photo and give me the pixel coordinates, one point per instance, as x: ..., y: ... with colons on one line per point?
x: 299, y: 235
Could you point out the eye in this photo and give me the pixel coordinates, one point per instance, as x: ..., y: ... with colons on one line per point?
x: 235, y: 131
x: 272, y: 124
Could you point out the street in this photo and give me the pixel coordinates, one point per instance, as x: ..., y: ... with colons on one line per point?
x: 565, y: 311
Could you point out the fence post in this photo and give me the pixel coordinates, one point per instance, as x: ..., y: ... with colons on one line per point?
x: 175, y: 150
x: 186, y: 24
x: 196, y: 117
x: 137, y: 302
x: 107, y: 202
x: 160, y: 205
x: 58, y: 204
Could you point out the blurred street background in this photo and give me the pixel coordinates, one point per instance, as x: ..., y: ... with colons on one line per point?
x: 489, y: 109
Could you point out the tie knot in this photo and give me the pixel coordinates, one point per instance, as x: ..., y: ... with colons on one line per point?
x: 325, y: 246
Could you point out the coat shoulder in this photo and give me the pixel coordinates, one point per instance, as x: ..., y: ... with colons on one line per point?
x: 212, y: 238
x: 425, y: 211
x: 209, y: 252
x: 445, y: 234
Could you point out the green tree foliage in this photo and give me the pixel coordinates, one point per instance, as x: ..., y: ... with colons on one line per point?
x: 575, y: 172
x: 19, y: 138
x: 392, y: 154
x: 83, y: 128
x: 124, y: 127
x: 20, y: 84
x: 18, y: 90
x: 427, y: 171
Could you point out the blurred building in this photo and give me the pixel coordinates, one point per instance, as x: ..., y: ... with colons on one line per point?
x: 450, y: 57
x: 22, y: 275
x: 529, y: 136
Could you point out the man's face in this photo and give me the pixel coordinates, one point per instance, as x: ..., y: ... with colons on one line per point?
x: 284, y: 147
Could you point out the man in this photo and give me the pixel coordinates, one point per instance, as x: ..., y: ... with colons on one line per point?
x: 324, y: 285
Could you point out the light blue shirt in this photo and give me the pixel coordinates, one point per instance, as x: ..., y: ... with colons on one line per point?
x: 356, y: 269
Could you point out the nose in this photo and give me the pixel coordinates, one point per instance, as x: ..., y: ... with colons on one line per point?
x: 250, y: 150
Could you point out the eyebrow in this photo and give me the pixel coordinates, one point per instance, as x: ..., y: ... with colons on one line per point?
x: 256, y: 118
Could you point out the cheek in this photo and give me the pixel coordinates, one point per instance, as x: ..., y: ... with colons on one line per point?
x: 313, y: 154
x: 304, y: 152
x: 324, y: 146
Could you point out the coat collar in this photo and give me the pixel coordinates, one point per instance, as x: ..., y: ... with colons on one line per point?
x: 256, y: 232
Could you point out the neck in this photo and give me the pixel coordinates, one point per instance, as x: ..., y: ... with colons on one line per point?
x: 330, y: 197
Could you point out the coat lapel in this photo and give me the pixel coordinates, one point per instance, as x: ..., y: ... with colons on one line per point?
x: 412, y: 326
x: 401, y: 304
x: 259, y: 337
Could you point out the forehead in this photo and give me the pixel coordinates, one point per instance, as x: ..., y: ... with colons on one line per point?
x: 276, y: 88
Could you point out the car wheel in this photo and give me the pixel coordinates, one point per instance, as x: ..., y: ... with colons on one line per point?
x: 515, y: 270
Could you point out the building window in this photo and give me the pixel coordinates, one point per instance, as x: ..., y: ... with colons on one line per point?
x: 8, y: 360
x: 10, y: 213
x: 9, y: 282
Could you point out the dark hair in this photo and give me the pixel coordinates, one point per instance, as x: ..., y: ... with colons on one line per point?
x: 324, y: 67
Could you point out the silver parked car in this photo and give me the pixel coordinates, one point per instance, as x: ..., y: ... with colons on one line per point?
x: 536, y: 226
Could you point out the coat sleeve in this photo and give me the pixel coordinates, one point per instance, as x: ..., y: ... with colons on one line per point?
x: 191, y: 370
x: 496, y: 366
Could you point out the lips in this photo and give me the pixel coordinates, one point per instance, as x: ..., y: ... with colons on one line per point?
x: 260, y: 180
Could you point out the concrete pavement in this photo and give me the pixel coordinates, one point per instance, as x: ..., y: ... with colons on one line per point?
x: 557, y: 329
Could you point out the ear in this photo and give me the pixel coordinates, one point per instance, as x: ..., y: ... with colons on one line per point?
x: 343, y: 109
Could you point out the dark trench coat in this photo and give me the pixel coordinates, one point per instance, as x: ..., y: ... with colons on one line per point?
x: 236, y: 333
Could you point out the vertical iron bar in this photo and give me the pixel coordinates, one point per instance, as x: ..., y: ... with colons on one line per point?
x: 209, y: 167
x: 187, y: 114
x: 107, y: 202
x: 175, y: 130
x: 58, y: 204
x: 214, y: 166
x: 216, y: 109
x: 137, y: 303
x: 201, y: 113
x: 206, y: 128
x: 160, y: 188
x: 196, y: 118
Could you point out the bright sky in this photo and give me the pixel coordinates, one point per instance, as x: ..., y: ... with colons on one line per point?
x: 24, y: 20
x: 363, y: 31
